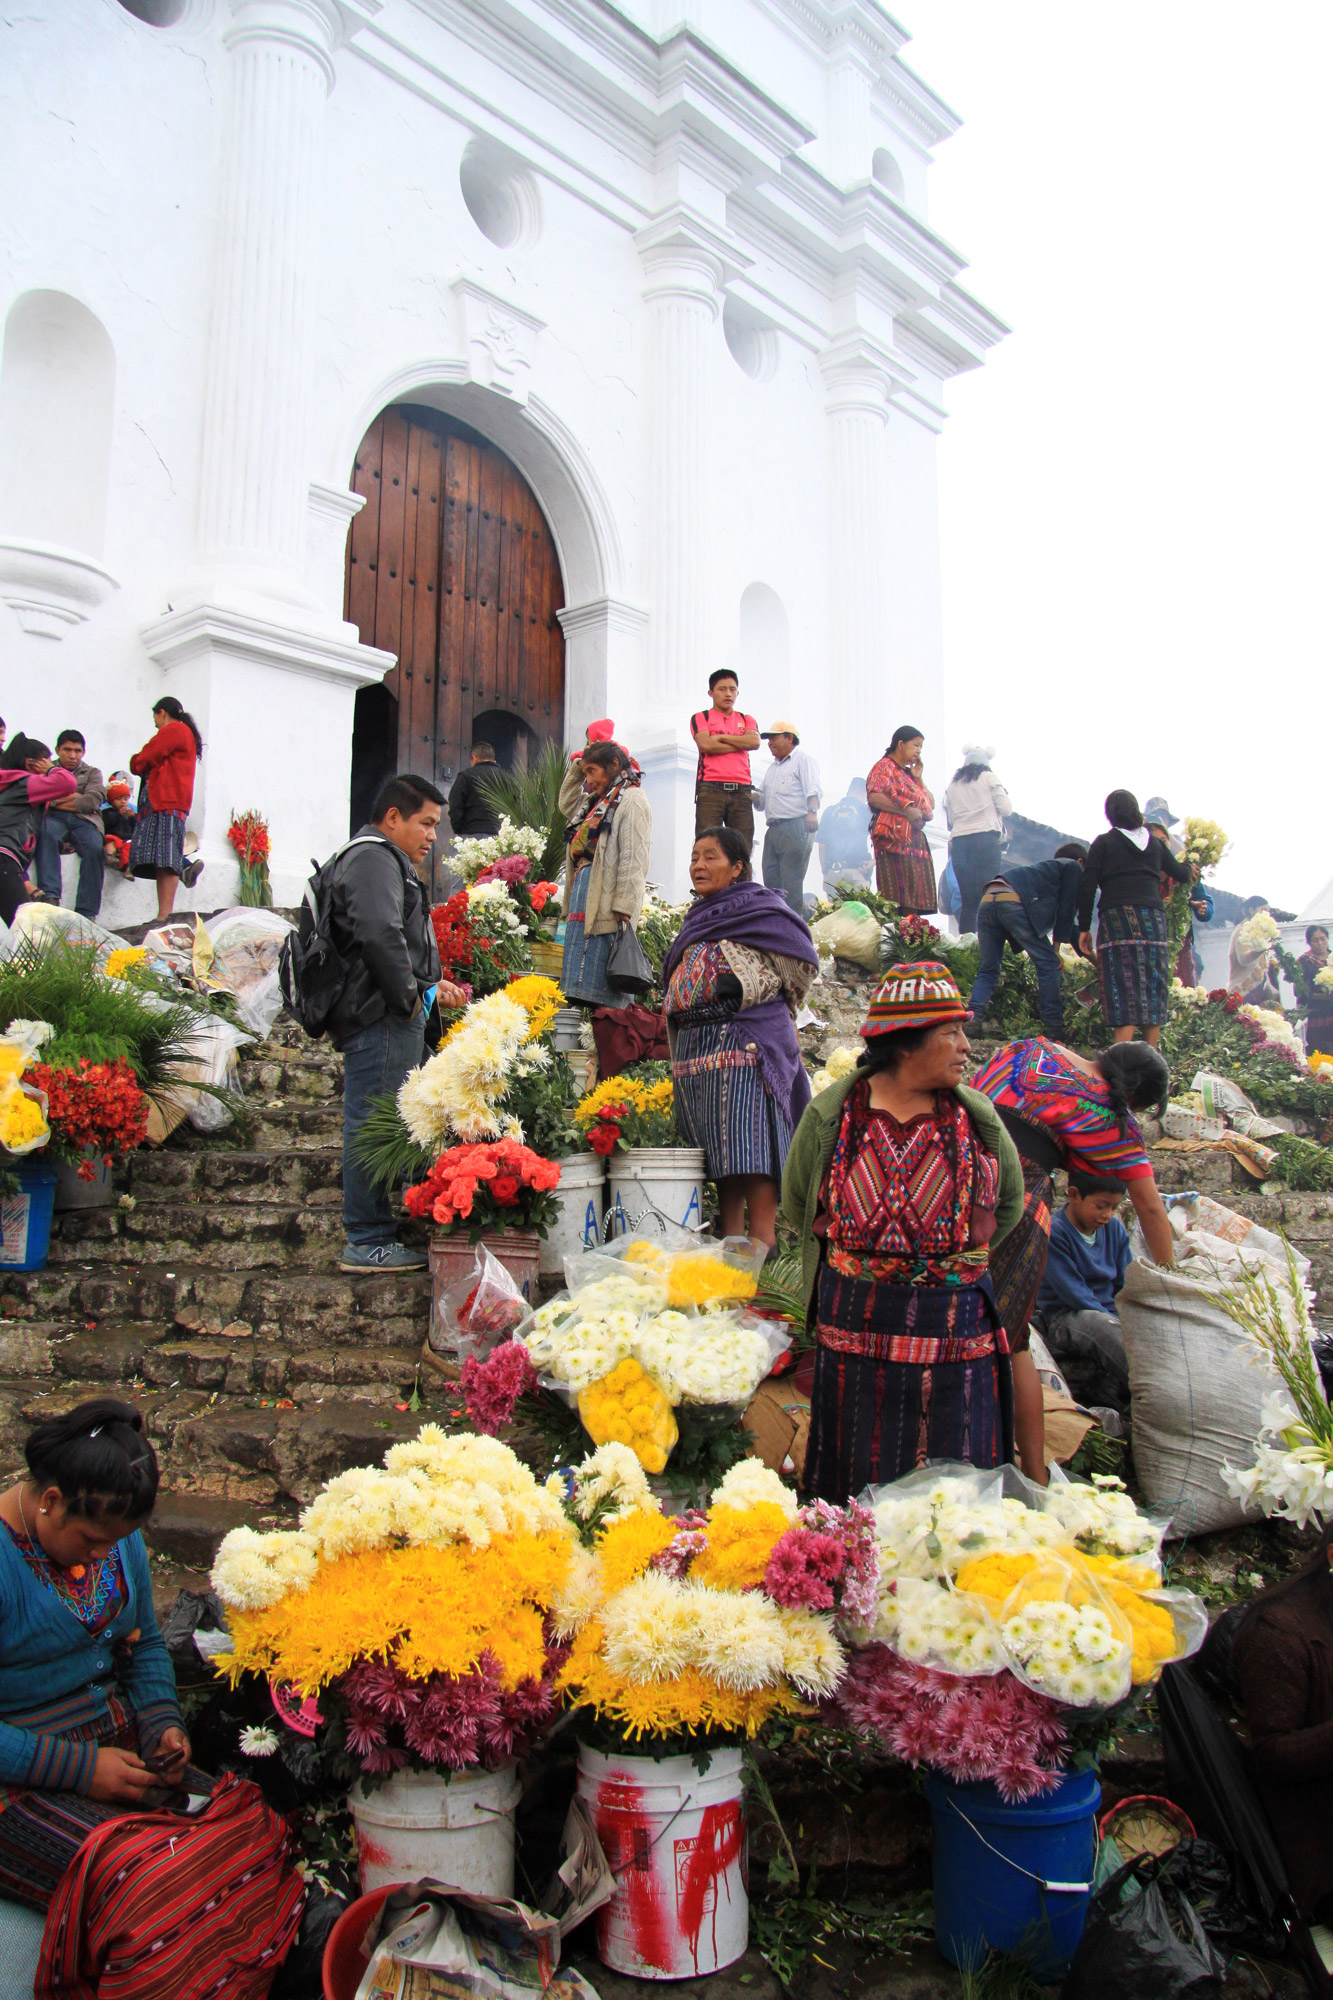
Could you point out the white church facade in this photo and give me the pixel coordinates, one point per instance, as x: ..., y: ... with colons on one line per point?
x: 378, y: 374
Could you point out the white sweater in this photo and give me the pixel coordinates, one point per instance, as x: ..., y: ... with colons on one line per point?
x: 980, y: 807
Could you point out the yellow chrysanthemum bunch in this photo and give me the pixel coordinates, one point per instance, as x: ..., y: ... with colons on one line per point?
x: 1090, y: 1577
x: 121, y: 963
x: 627, y: 1407
x: 23, y: 1126
x: 651, y: 1108
x: 694, y: 1277
x: 675, y: 1637
x: 540, y: 999
x: 449, y: 1550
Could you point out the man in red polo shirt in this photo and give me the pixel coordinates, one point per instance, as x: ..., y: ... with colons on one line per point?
x: 725, y: 738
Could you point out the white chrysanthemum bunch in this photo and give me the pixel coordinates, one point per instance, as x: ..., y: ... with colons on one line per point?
x: 453, y: 1096
x: 1324, y: 980
x: 471, y: 856
x: 1275, y: 1029
x: 1101, y: 1519
x: 656, y: 1628
x: 1072, y: 1653
x: 493, y: 901
x: 750, y: 1483
x: 252, y: 1571
x: 929, y: 1534
x: 1188, y: 996
x: 1260, y: 929
x: 431, y: 1492
x: 714, y: 1357
x: 934, y: 1625
x: 610, y: 1482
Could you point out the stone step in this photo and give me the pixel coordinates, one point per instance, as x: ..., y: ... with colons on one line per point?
x: 236, y: 1236
x: 188, y: 1527
x: 298, y: 1309
x: 292, y: 1128
x: 313, y: 1176
x: 286, y: 1075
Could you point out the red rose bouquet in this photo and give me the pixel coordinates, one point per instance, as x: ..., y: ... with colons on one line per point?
x: 96, y: 1108
x: 501, y: 1185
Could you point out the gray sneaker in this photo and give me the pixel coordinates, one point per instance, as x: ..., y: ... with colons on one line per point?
x: 383, y: 1257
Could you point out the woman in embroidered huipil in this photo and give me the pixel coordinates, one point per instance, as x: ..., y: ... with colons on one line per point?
x: 899, y: 1182
x: 87, y: 1692
x: 896, y: 794
x: 1062, y: 1109
x: 735, y: 978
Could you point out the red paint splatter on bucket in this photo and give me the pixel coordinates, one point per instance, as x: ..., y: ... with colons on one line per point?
x: 627, y: 1835
x: 369, y: 1854
x: 719, y: 1842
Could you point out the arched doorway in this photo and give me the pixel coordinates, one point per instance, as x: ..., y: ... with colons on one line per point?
x: 451, y: 566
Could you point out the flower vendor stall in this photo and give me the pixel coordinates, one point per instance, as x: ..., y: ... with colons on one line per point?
x: 417, y: 1603
x: 1012, y: 1624
x: 629, y: 1120
x: 688, y: 1634
x: 482, y: 1126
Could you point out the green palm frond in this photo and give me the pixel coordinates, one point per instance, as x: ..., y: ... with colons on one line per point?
x: 532, y: 798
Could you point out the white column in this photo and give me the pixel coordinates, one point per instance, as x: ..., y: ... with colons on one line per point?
x: 255, y: 479
x: 851, y: 78
x: 862, y: 670
x: 683, y: 274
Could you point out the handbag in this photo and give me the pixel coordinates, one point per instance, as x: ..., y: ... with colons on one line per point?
x: 628, y: 969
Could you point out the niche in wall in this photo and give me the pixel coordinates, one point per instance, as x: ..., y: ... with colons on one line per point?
x: 57, y: 403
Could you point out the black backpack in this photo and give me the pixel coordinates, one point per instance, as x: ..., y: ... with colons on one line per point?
x: 312, y: 972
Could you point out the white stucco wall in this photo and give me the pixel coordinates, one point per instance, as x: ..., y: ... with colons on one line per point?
x: 120, y: 145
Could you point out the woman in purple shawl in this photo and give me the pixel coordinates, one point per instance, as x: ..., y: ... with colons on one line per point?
x: 735, y: 978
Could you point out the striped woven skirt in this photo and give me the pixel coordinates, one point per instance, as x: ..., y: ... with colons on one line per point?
x: 1134, y: 959
x: 157, y: 843
x: 1018, y: 1264
x: 583, y: 974
x: 904, y: 1374
x: 724, y: 1105
x: 905, y: 876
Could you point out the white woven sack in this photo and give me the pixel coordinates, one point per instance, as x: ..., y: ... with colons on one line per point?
x: 1196, y: 1387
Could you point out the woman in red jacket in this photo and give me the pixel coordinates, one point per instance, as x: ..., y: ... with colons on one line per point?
x: 167, y: 761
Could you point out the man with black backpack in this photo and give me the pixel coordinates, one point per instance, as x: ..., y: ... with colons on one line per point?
x: 369, y: 906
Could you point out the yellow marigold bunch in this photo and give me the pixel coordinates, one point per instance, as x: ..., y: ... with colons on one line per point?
x: 614, y: 1090
x: 993, y: 1577
x: 21, y: 1120
x: 627, y: 1407
x: 425, y: 1610
x: 121, y: 963
x: 540, y: 999
x: 740, y: 1542
x: 1152, y: 1626
x: 705, y: 1281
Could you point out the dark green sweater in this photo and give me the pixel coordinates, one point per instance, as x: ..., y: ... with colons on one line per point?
x: 812, y: 1150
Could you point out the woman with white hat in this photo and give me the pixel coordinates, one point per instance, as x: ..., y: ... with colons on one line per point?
x: 976, y: 806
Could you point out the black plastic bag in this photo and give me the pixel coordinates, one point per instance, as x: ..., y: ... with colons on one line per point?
x: 628, y: 969
x: 1133, y: 1950
x: 300, y: 1976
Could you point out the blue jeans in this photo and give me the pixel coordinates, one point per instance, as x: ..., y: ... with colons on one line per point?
x: 976, y: 861
x: 86, y: 840
x: 998, y: 923
x: 375, y: 1062
x: 786, y: 858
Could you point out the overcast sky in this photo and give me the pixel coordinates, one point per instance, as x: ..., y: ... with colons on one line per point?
x: 1135, y: 512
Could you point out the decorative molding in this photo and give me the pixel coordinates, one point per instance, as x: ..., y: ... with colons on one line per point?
x: 685, y: 256
x: 49, y: 589
x: 860, y: 374
x: 207, y: 631
x: 330, y: 512
x: 312, y: 28
x: 499, y: 340
x: 603, y: 614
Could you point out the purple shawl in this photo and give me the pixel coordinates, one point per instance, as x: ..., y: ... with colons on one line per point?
x: 761, y: 919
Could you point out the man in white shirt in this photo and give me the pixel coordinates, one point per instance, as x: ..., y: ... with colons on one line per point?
x: 789, y: 799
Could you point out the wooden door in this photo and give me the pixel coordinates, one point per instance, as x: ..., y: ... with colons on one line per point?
x: 450, y: 566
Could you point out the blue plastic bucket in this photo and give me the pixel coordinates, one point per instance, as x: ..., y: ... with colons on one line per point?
x: 992, y: 1860
x: 25, y: 1219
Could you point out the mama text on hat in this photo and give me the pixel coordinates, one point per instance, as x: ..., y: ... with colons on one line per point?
x: 921, y: 995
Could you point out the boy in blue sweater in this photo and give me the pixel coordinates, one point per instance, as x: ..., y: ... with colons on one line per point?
x: 1085, y: 1268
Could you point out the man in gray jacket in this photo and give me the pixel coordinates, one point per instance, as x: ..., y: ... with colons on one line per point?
x: 77, y: 820
x: 381, y: 926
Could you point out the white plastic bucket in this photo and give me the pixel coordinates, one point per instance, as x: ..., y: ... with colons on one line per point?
x: 582, y: 1198
x: 669, y: 1179
x: 675, y: 1842
x: 457, y: 1829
